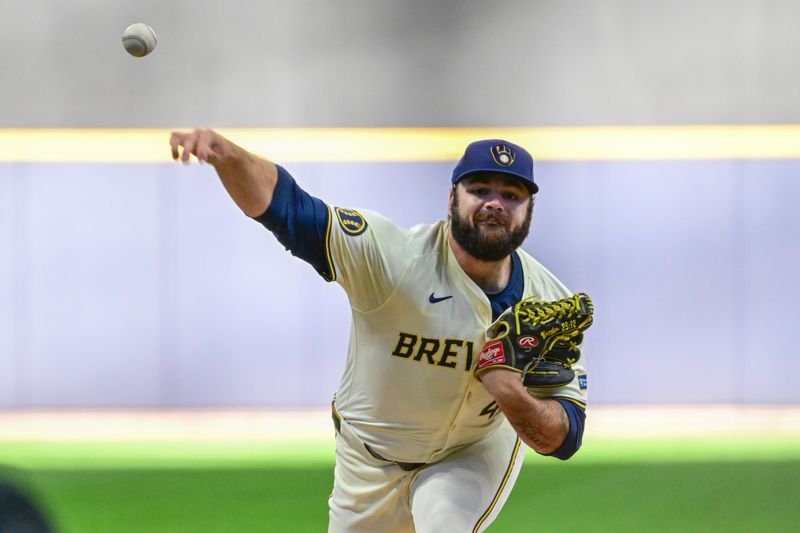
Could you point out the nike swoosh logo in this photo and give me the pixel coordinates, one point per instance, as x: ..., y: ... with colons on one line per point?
x: 434, y: 300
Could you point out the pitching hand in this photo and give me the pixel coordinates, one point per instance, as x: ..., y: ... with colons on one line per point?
x: 206, y: 145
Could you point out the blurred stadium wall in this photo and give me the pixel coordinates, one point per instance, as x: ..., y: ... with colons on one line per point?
x: 666, y: 148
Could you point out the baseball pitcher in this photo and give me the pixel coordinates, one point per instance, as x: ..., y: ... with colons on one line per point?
x: 462, y: 345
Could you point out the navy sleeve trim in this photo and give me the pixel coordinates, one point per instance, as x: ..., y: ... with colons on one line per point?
x: 574, y: 439
x: 302, y: 223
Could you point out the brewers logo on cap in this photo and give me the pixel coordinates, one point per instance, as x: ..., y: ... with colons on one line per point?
x: 351, y: 221
x: 502, y: 154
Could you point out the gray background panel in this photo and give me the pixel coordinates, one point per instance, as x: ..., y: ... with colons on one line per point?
x: 241, y: 63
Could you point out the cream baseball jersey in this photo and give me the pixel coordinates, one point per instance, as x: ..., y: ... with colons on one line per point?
x: 418, y: 325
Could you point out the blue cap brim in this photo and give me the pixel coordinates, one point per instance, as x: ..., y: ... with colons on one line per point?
x: 531, y: 186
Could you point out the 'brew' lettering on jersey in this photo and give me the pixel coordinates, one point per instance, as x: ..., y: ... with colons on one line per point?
x: 437, y: 352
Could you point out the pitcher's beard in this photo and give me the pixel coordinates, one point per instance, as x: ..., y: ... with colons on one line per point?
x: 487, y: 246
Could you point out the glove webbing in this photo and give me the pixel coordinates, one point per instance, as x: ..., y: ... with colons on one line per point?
x: 544, y: 312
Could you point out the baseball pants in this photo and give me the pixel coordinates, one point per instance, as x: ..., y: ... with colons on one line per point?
x: 463, y: 492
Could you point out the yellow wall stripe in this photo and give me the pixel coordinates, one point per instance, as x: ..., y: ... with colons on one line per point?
x: 612, y: 143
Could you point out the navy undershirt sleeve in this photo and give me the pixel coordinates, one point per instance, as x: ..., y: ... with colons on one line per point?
x: 572, y: 442
x: 300, y: 223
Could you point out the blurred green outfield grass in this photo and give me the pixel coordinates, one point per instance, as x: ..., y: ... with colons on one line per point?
x: 747, y: 485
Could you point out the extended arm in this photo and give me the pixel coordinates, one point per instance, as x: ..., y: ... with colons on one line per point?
x: 249, y: 179
x: 266, y: 193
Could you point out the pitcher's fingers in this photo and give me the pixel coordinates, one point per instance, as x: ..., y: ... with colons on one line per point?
x: 176, y: 140
x: 207, y: 146
x: 205, y: 154
x: 189, y: 143
x: 210, y: 153
x: 202, y: 144
x: 211, y: 156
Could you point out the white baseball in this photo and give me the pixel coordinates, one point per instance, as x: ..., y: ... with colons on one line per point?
x: 139, y: 39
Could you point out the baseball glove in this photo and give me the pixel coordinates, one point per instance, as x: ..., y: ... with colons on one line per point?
x: 541, y: 340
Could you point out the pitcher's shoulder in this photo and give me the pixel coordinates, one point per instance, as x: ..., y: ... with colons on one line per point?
x: 371, y: 226
x: 539, y: 281
x: 428, y: 238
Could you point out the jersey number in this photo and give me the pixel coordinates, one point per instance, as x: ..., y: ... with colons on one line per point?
x: 490, y: 410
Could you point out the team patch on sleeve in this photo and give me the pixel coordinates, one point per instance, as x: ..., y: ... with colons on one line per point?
x: 352, y: 222
x: 582, y: 383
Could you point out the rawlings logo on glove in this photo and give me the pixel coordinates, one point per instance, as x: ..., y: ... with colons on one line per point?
x: 541, y: 340
x: 492, y: 354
